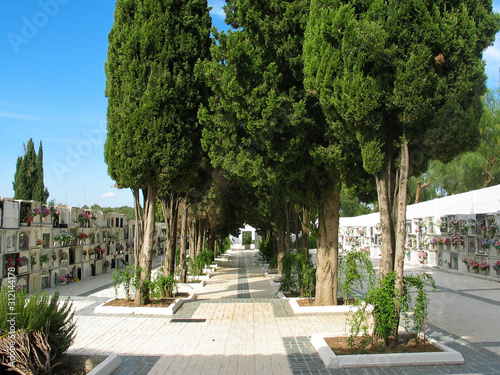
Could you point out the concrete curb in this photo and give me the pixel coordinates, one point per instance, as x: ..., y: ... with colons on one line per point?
x: 170, y: 310
x: 108, y: 366
x: 332, y: 361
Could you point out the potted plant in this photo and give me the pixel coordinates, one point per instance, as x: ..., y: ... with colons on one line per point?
x: 422, y: 256
x: 484, y: 267
x: 496, y: 266
x: 44, y: 259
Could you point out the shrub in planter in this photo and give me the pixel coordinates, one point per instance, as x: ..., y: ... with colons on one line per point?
x: 44, y: 328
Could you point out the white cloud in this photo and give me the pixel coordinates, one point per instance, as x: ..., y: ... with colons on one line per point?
x: 108, y: 195
x: 17, y: 116
x: 217, y: 8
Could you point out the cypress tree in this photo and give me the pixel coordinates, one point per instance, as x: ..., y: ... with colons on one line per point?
x: 28, y: 180
x: 154, y: 92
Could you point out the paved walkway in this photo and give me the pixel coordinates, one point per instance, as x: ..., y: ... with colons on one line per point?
x: 237, y: 325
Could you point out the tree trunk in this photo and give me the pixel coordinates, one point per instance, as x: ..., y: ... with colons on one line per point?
x: 287, y: 236
x: 193, y: 238
x: 211, y: 242
x: 138, y: 227
x: 305, y: 233
x: 201, y: 236
x: 328, y: 247
x: 392, y: 196
x: 280, y: 246
x: 401, y: 226
x: 146, y: 253
x: 385, y: 194
x: 173, y: 208
x: 420, y: 187
x: 183, y: 244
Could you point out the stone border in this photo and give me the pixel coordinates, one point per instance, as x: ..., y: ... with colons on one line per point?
x: 108, y: 366
x: 199, y: 285
x: 332, y: 361
x: 140, y: 310
x: 297, y: 309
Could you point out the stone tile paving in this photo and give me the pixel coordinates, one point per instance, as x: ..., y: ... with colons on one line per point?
x: 262, y: 335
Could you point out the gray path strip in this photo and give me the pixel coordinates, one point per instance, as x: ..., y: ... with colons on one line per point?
x: 243, y: 290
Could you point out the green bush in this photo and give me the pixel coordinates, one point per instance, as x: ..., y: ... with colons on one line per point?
x: 39, y: 313
x: 289, y: 274
x: 125, y: 278
x: 356, y: 268
x: 162, y: 286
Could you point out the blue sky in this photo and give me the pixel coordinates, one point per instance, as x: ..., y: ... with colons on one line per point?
x: 52, y: 55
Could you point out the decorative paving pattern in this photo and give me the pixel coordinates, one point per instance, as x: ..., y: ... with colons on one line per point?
x: 136, y: 365
x: 305, y: 361
x: 243, y: 290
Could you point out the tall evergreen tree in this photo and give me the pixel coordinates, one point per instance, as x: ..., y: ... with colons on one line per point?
x: 40, y: 192
x: 267, y: 129
x: 404, y: 81
x: 153, y: 95
x: 28, y: 180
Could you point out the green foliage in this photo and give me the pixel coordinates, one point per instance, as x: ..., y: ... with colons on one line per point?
x: 472, y: 170
x: 123, y: 278
x: 162, y: 286
x: 40, y: 312
x: 386, y: 309
x: 356, y: 268
x: 204, y: 258
x: 266, y: 249
x: 297, y: 275
x: 126, y: 210
x: 28, y: 180
x: 289, y: 274
x: 420, y: 307
x: 247, y: 238
x: 154, y: 91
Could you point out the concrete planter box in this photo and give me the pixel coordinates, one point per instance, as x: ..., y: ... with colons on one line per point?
x: 331, y: 361
x: 104, y: 364
x: 199, y: 285
x: 297, y: 309
x: 141, y: 310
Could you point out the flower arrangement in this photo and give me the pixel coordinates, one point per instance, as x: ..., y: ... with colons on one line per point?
x: 54, y: 255
x: 44, y: 258
x: 496, y: 266
x: 457, y: 239
x: 493, y: 227
x: 63, y: 255
x: 485, y: 244
x: 443, y: 225
x: 484, y: 266
x: 54, y: 211
x: 63, y: 279
x: 466, y: 260
x: 434, y: 241
x: 33, y: 259
x: 106, y: 264
x: 39, y: 242
x: 473, y: 264
x: 44, y: 212
x: 455, y: 223
x: 119, y: 247
x: 76, y: 279
x: 99, y: 250
x: 84, y: 253
x: 496, y: 245
x: 482, y: 226
x: 82, y: 236
x: 30, y: 215
x: 422, y: 255
x: 86, y: 217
